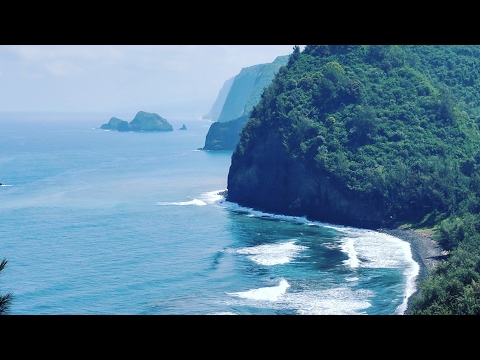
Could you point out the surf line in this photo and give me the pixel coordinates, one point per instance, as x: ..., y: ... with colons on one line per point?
x: 191, y: 202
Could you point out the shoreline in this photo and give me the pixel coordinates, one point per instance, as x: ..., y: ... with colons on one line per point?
x: 425, y: 251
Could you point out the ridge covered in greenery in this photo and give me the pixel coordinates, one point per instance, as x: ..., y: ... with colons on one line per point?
x: 243, y: 94
x: 375, y: 136
x: 247, y: 88
x: 217, y: 106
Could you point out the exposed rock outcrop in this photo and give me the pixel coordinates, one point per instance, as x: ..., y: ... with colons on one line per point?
x: 143, y: 121
x: 116, y: 124
x: 269, y: 179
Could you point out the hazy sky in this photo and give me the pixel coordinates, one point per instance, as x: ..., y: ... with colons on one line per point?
x: 115, y: 78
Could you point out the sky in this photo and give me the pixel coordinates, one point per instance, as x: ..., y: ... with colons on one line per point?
x: 165, y: 79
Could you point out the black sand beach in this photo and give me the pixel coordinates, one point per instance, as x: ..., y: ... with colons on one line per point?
x: 425, y: 251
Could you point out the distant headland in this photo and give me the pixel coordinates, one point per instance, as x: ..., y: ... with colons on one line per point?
x: 143, y: 121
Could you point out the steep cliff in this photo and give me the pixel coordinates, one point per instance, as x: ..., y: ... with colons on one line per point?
x: 224, y: 135
x: 268, y: 178
x: 247, y: 88
x: 244, y: 93
x: 217, y: 106
x: 366, y: 136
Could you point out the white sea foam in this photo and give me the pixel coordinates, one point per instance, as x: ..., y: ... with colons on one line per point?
x: 197, y: 202
x: 213, y: 197
x: 371, y: 249
x: 267, y: 216
x: 347, y: 246
x: 223, y: 313
x: 334, y: 301
x: 365, y: 248
x: 272, y: 293
x: 411, y: 274
x: 272, y: 254
x: 207, y: 198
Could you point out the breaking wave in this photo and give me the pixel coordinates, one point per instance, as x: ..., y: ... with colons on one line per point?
x: 272, y: 254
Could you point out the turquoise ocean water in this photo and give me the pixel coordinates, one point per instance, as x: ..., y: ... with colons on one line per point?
x: 104, y: 222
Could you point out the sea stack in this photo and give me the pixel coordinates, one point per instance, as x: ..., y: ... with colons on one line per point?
x: 143, y: 121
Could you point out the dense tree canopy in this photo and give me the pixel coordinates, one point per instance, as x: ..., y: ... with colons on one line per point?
x: 396, y: 129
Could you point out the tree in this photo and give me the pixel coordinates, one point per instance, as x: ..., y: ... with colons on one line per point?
x: 5, y: 300
x: 294, y: 56
x: 446, y: 106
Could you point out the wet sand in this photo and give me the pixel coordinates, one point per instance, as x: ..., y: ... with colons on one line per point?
x: 425, y: 251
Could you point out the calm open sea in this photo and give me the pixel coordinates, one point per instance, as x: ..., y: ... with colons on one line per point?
x: 105, y: 222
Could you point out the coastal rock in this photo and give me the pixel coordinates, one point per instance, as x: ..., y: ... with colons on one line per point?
x: 224, y: 135
x: 116, y: 124
x: 143, y: 121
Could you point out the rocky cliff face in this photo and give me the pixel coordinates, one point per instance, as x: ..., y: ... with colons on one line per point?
x: 224, y: 135
x: 247, y: 87
x: 269, y: 179
x: 217, y: 106
x: 241, y: 89
x: 244, y: 92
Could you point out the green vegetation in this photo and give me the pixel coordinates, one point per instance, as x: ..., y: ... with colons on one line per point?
x: 263, y: 79
x: 247, y: 88
x: 224, y: 135
x: 241, y: 88
x: 243, y: 94
x: 116, y: 124
x: 6, y: 299
x: 373, y: 136
x: 143, y: 121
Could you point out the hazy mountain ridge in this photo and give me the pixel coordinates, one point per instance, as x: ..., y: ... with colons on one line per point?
x: 244, y: 93
x: 217, y: 106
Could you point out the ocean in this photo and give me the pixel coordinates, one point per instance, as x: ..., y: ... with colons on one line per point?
x: 96, y: 222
